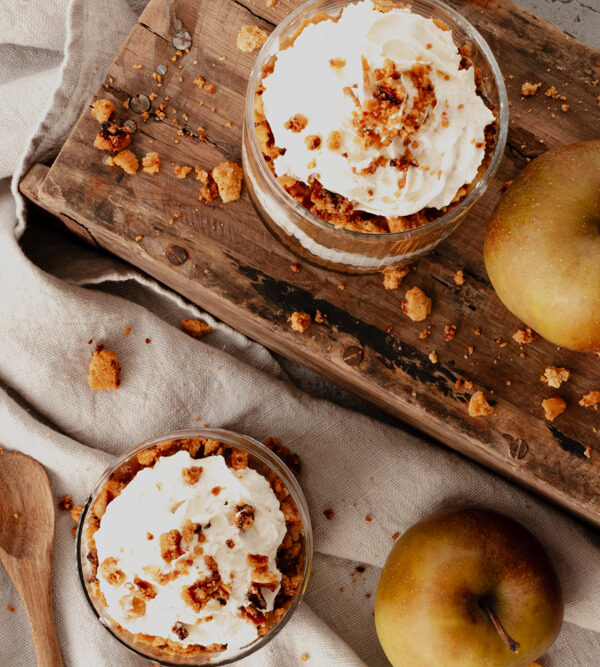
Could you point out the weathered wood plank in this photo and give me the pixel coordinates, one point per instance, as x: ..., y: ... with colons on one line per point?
x: 222, y: 257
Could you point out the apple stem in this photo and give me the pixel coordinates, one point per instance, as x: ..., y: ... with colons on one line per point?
x: 513, y: 646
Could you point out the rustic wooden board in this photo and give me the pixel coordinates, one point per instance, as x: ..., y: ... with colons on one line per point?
x: 222, y: 257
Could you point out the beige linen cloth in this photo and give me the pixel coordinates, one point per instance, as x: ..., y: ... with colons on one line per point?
x: 56, y: 295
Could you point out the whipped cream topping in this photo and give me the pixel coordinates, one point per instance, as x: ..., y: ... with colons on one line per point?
x: 336, y: 72
x: 157, y: 501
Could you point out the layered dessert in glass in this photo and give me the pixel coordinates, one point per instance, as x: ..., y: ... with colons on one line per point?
x: 194, y: 549
x: 376, y: 124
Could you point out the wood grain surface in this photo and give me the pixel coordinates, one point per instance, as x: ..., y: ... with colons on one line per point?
x: 222, y: 257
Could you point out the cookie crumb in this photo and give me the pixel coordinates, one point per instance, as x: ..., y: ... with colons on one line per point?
x: 449, y: 332
x: 127, y: 331
x: 416, y: 304
x: 459, y: 278
x: 553, y: 407
x: 127, y: 161
x: 181, y: 172
x: 299, y: 321
x: 195, y: 328
x: 479, y: 406
x: 433, y: 357
x: 591, y: 399
x: 554, y: 376
x: 392, y: 278
x: 228, y: 176
x: 65, y: 504
x: 103, y: 370
x: 10, y: 608
x: 151, y: 163
x: 525, y: 336
x: 329, y: 513
x: 250, y: 38
x: 102, y: 110
x: 528, y: 89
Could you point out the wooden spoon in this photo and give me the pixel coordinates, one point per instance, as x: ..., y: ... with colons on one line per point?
x: 26, y: 545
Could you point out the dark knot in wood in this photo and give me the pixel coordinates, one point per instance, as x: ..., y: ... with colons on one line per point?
x: 177, y: 255
x: 518, y: 449
x: 352, y: 355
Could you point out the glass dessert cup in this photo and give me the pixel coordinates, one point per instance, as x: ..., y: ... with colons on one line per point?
x: 261, y: 459
x: 320, y: 242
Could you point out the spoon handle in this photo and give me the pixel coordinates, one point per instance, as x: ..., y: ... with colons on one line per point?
x: 34, y: 584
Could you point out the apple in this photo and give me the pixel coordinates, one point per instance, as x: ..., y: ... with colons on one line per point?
x: 469, y: 588
x: 542, y: 248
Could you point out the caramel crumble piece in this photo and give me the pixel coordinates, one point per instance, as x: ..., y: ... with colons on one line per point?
x: 296, y: 123
x: 10, y: 608
x: 304, y: 657
x: 109, y: 570
x: 368, y: 518
x: 243, y: 516
x: 188, y: 530
x: 191, y: 475
x: 395, y: 536
x: 329, y: 513
x: 554, y: 376
x: 416, y: 304
x: 195, y: 328
x: 459, y: 278
x: 525, y: 336
x: 228, y: 176
x: 553, y: 407
x: 591, y: 399
x: 433, y: 357
x: 179, y: 630
x: 299, y: 321
x: 237, y: 459
x: 181, y: 172
x: 425, y: 333
x: 528, y: 89
x: 216, y: 490
x: 151, y: 163
x: 334, y: 140
x: 250, y: 38
x: 145, y: 588
x: 392, y: 278
x: 210, y: 588
x: 210, y: 88
x: 449, y: 332
x: 337, y: 63
x: 257, y: 560
x: 103, y: 370
x: 65, y: 504
x: 127, y: 161
x: 133, y: 606
x: 75, y: 512
x: 313, y: 141
x: 252, y: 614
x: 564, y: 108
x: 112, y: 138
x: 201, y: 174
x: 478, y: 405
x: 170, y: 545
x: 230, y: 543
x: 102, y: 110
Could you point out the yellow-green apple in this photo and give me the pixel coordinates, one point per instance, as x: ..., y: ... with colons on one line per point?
x: 469, y: 588
x: 542, y: 248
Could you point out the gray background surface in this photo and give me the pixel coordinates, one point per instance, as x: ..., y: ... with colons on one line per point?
x: 581, y: 19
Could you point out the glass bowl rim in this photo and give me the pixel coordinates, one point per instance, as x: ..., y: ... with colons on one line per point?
x: 479, y: 189
x: 268, y: 458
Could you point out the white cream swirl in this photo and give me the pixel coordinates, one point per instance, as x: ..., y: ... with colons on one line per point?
x: 446, y: 149
x: 158, y: 501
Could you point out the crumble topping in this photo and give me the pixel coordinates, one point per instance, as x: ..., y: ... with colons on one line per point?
x: 228, y: 176
x: 195, y: 328
x: 112, y: 138
x: 151, y: 163
x: 525, y: 336
x: 591, y: 399
x: 103, y: 370
x: 392, y: 278
x: 127, y: 161
x: 300, y: 321
x: 553, y: 407
x: 416, y: 304
x: 102, y: 110
x: 554, y: 376
x: 296, y: 123
x: 528, y: 89
x: 459, y: 278
x: 181, y: 172
x: 479, y: 406
x: 250, y: 38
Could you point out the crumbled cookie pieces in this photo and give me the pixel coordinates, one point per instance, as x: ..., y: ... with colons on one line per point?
x: 553, y: 407
x: 554, y: 376
x: 416, y: 304
x: 528, y: 89
x: 299, y: 321
x: 151, y: 163
x: 195, y: 328
x: 102, y: 110
x: 591, y: 399
x: 479, y: 406
x: 392, y: 278
x: 103, y: 370
x: 127, y: 161
x: 525, y: 336
x: 228, y: 176
x: 250, y: 38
